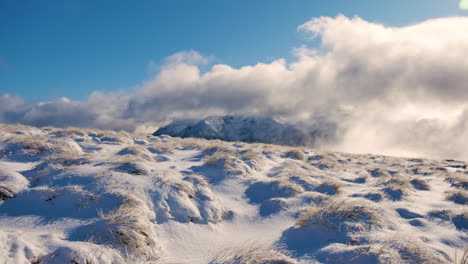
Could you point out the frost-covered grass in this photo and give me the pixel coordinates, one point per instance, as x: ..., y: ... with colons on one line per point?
x: 90, y: 196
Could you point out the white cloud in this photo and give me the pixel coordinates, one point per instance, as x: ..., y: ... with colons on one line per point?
x: 400, y: 91
x: 190, y: 57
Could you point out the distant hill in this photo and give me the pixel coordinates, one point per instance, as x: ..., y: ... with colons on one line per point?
x: 238, y: 128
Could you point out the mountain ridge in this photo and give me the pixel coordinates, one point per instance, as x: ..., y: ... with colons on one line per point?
x: 249, y: 129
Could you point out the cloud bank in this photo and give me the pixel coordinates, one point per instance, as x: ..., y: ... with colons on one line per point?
x: 389, y: 90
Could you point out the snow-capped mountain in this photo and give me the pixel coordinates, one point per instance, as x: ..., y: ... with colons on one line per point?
x: 238, y: 128
x: 90, y: 196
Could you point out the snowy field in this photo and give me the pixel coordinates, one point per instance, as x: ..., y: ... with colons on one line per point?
x: 88, y: 196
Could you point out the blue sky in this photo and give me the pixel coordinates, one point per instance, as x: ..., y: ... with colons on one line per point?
x: 55, y: 48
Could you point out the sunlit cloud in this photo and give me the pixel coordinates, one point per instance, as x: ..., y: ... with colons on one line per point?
x: 464, y: 4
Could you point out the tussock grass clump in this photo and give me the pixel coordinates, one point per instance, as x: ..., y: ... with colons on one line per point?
x: 324, y: 161
x: 315, y: 157
x: 193, y: 143
x: 458, y: 180
x: 77, y: 134
x: 299, y: 174
x: 289, y: 168
x: 27, y: 146
x: 18, y: 129
x: 6, y: 193
x: 420, y: 170
x: 361, y: 179
x: 443, y: 215
x: 131, y: 164
x: 458, y: 196
x: 378, y: 173
x: 463, y: 259
x: 187, y: 185
x: 42, y: 171
x: 329, y: 186
x: 11, y: 183
x: 458, y: 219
x: 315, y: 198
x: 261, y: 191
x: 82, y: 253
x: 112, y: 137
x: 396, y: 248
x: 36, y: 147
x: 252, y: 253
x: 461, y: 221
x: 295, y: 154
x: 397, y: 187
x: 254, y: 158
x: 341, y: 222
x: 185, y: 199
x: 217, y: 146
x: 126, y: 159
x: 221, y: 156
x: 420, y: 184
x: 69, y: 162
x: 135, y: 168
x: 127, y: 228
x: 65, y: 149
x: 342, y: 214
x: 374, y: 196
x: 230, y: 161
x: 136, y: 151
x: 162, y: 147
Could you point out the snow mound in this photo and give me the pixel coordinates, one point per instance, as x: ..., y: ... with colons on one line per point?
x: 11, y: 183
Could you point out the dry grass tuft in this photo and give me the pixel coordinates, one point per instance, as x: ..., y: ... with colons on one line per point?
x: 329, y: 186
x: 193, y: 143
x: 128, y: 227
x: 458, y: 180
x: 397, y: 248
x: 136, y: 151
x: 342, y: 214
x: 458, y: 196
x: 463, y: 258
x: 420, y: 184
x: 162, y: 148
x: 231, y: 161
x: 296, y: 154
x: 397, y: 187
x: 252, y: 253
x: 254, y: 158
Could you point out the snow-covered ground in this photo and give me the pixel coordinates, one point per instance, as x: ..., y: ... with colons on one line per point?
x: 90, y: 196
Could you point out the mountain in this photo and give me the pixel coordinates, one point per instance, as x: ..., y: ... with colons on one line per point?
x: 238, y: 128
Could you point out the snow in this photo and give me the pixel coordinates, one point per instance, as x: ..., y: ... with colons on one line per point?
x: 90, y: 196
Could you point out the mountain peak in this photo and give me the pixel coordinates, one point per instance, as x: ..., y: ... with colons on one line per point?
x: 237, y: 128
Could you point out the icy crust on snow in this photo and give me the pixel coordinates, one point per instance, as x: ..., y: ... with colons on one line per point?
x: 89, y: 196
